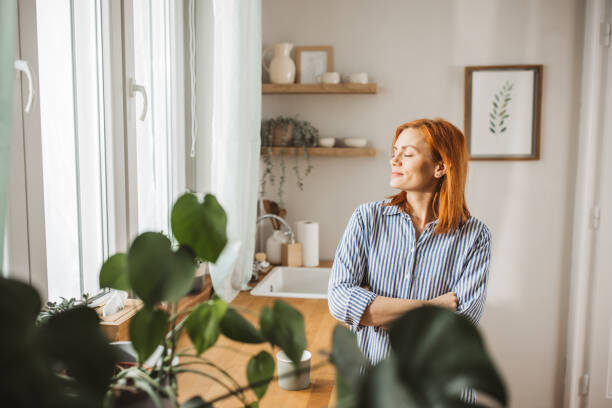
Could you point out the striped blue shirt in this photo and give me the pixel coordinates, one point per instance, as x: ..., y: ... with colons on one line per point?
x: 378, y: 248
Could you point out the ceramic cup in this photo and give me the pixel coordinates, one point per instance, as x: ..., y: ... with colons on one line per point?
x: 329, y: 78
x: 296, y: 381
x: 357, y: 78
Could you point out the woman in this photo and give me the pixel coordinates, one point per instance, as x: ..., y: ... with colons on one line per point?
x: 418, y: 247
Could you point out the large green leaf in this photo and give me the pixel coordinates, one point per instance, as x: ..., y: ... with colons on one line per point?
x: 348, y: 360
x: 260, y: 368
x: 73, y: 340
x: 236, y: 327
x: 283, y: 326
x: 31, y: 356
x: 114, y: 273
x: 202, y: 324
x: 382, y: 388
x: 200, y: 226
x: 20, y: 304
x: 147, y: 330
x: 440, y: 353
x: 157, y: 272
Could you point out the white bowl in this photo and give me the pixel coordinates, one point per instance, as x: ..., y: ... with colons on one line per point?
x: 355, y: 142
x: 327, y: 141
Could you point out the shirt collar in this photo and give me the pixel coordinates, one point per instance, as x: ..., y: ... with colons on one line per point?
x: 394, y: 209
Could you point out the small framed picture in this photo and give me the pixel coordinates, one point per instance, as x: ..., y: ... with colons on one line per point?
x: 311, y: 61
x: 503, y: 107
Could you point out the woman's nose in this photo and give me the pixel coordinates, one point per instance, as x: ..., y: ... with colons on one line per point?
x: 395, y: 158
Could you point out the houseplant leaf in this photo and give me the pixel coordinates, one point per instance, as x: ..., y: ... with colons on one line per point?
x: 260, y: 368
x: 147, y: 330
x: 73, y: 340
x: 236, y: 327
x: 156, y: 271
x: 114, y: 273
x: 202, y: 324
x: 440, y: 353
x: 201, y: 226
x: 382, y: 388
x: 283, y: 326
x: 348, y: 360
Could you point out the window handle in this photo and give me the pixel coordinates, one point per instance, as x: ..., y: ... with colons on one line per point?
x: 134, y: 87
x: 23, y: 66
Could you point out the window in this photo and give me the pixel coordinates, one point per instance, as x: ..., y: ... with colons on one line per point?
x: 88, y: 166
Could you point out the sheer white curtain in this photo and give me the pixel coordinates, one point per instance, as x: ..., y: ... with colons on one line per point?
x: 228, y: 115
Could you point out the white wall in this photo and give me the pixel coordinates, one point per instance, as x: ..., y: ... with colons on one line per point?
x: 417, y: 52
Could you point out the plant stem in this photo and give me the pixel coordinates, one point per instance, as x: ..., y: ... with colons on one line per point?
x: 239, y: 394
x: 267, y: 381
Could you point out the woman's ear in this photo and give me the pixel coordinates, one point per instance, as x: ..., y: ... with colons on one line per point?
x: 440, y: 170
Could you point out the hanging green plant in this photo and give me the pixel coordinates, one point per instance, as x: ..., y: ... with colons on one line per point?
x: 284, y: 131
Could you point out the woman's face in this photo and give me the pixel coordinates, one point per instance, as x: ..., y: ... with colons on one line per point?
x: 412, y: 168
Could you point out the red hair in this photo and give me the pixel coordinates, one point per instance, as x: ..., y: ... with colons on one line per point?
x: 447, y: 144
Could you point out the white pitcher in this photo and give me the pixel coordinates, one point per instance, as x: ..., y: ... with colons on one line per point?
x: 282, y: 67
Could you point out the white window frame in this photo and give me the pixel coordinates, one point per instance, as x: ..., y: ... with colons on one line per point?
x: 26, y: 229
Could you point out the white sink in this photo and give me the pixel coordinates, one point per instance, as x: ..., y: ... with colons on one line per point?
x: 295, y: 282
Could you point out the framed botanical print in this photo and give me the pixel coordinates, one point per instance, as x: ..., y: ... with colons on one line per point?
x: 503, y: 111
x: 311, y: 61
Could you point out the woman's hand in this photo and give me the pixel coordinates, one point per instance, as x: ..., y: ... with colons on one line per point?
x: 447, y: 300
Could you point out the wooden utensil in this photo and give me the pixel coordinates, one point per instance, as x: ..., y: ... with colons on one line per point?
x: 275, y: 210
x: 268, y: 207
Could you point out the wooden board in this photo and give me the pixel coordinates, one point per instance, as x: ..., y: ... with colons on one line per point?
x: 341, y: 88
x: 323, y: 151
x: 116, y: 326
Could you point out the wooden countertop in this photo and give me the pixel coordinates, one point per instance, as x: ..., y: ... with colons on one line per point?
x: 319, y: 325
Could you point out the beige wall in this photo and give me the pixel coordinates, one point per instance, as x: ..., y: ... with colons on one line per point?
x: 417, y: 51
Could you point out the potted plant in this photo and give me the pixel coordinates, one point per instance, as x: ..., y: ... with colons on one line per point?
x: 156, y: 272
x: 54, y: 308
x: 286, y: 131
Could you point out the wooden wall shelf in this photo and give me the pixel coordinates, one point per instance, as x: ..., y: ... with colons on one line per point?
x: 325, y: 151
x: 342, y: 88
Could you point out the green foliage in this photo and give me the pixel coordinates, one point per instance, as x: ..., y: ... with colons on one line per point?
x: 203, y: 323
x: 435, y: 355
x: 200, y: 226
x: 260, y: 369
x: 158, y: 273
x: 283, y: 326
x: 498, y: 114
x: 54, y: 308
x: 114, y: 273
x: 237, y: 328
x: 147, y: 330
x: 303, y: 135
x: 64, y: 362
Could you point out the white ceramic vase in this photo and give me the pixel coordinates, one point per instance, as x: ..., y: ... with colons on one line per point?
x: 282, y: 67
x: 274, y: 246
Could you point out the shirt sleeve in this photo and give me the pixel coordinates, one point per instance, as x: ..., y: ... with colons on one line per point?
x: 471, y: 289
x: 347, y: 300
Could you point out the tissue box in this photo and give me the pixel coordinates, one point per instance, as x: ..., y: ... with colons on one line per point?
x: 291, y: 254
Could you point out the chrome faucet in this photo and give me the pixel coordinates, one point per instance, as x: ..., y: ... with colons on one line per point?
x: 289, y: 233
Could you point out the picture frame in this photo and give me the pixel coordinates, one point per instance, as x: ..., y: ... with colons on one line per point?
x: 312, y: 60
x: 503, y: 106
